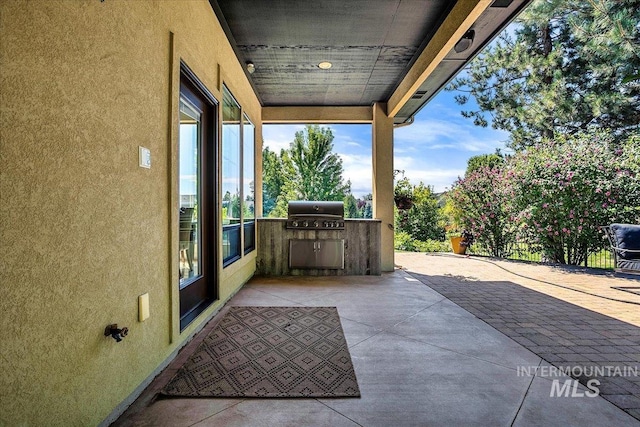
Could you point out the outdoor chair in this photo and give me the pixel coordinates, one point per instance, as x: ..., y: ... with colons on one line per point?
x: 625, y: 245
x: 187, y: 235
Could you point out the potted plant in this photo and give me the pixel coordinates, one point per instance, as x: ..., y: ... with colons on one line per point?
x: 403, y: 193
x: 461, y: 243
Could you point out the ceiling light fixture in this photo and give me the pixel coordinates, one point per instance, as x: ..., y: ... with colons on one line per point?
x: 465, y: 42
x: 250, y: 67
x: 325, y: 65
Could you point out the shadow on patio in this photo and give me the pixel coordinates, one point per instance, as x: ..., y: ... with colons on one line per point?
x: 421, y: 359
x: 583, y: 342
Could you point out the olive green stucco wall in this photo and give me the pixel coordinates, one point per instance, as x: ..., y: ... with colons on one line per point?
x: 84, y: 229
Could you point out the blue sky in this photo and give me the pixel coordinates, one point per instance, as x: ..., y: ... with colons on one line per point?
x: 434, y: 149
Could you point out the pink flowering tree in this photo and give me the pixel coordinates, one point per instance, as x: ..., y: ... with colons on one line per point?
x: 565, y: 189
x: 483, y: 199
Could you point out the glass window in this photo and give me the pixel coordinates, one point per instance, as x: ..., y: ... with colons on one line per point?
x: 189, y: 172
x: 248, y: 184
x: 231, y: 164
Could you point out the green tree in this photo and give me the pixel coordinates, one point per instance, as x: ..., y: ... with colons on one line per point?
x: 451, y: 216
x: 351, y: 207
x: 490, y: 161
x: 423, y: 220
x: 231, y: 208
x: 569, y: 66
x: 309, y: 170
x: 272, y: 180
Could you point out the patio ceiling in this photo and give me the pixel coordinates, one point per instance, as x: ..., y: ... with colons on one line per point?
x: 376, y: 47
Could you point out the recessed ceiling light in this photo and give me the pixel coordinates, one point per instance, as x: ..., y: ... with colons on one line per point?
x: 324, y: 65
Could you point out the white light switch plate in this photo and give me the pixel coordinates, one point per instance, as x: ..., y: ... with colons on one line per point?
x: 144, y: 155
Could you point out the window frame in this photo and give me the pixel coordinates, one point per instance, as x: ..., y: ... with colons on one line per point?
x: 248, y: 224
x: 198, y: 295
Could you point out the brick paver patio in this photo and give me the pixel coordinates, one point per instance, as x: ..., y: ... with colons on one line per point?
x: 578, y: 320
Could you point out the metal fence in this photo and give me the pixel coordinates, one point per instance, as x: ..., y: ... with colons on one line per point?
x: 522, y: 251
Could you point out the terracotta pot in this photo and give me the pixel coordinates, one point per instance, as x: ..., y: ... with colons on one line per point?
x: 457, y: 247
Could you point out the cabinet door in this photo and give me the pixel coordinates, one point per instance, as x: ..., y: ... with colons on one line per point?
x: 302, y: 253
x: 330, y: 254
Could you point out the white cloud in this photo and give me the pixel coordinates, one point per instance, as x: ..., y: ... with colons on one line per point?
x: 358, y: 169
x: 351, y: 138
x: 353, y: 144
x: 278, y: 137
x: 432, y: 151
x: 418, y: 170
x: 432, y: 134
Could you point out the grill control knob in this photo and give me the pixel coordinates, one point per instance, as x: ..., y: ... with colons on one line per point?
x: 305, y: 224
x: 315, y: 224
x: 294, y: 223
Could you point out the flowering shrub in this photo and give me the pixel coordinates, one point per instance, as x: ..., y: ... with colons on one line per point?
x: 564, y: 190
x: 483, y: 200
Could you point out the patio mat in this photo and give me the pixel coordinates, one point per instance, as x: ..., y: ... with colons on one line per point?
x: 270, y: 352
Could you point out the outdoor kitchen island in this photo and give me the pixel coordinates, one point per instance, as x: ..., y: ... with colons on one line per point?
x: 361, y: 248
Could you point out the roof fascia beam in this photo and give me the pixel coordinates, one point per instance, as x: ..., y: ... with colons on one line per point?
x: 459, y: 20
x: 319, y: 115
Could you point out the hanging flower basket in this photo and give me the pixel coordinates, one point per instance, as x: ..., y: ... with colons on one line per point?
x: 403, y: 202
x: 402, y: 192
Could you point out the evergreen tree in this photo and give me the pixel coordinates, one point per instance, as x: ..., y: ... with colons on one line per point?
x: 569, y: 66
x: 351, y: 207
x: 366, y: 206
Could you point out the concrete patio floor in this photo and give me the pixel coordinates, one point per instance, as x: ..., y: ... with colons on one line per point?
x: 433, y: 344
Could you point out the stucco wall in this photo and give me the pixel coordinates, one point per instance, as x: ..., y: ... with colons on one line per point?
x: 85, y: 230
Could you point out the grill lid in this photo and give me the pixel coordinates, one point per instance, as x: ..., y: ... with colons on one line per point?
x: 310, y: 208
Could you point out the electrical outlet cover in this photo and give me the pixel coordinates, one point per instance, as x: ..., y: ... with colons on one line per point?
x: 143, y: 307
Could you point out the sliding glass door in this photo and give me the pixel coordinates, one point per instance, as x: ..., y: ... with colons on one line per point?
x: 197, y: 266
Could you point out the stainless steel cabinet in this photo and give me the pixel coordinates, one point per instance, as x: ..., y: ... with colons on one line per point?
x: 306, y: 253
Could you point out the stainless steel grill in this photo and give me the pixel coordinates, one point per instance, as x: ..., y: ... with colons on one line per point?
x: 315, y: 215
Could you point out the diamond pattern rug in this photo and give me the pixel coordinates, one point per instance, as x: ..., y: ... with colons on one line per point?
x: 270, y: 352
